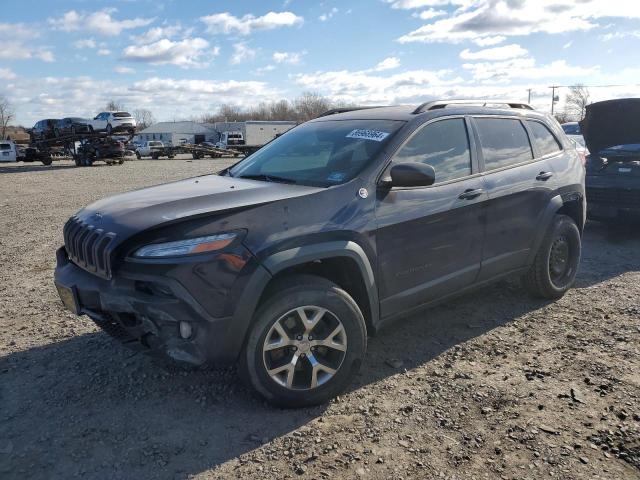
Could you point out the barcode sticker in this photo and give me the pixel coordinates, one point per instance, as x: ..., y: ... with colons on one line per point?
x: 374, y: 135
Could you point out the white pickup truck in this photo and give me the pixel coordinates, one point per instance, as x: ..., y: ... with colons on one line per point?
x: 8, y: 151
x: 153, y: 149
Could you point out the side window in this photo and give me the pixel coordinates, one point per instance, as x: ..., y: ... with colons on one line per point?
x: 504, y: 142
x: 543, y: 139
x: 444, y: 145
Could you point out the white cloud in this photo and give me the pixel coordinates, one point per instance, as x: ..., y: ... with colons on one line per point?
x: 100, y: 22
x: 7, y: 74
x: 123, y: 70
x: 190, y: 52
x: 370, y: 87
x: 262, y: 70
x: 227, y: 23
x: 165, y: 31
x: 497, y: 53
x: 16, y: 50
x: 413, y: 4
x: 526, y: 68
x: 17, y: 31
x: 567, y: 45
x: 429, y: 14
x: 388, y: 63
x: 103, y: 52
x: 85, y: 43
x: 241, y: 53
x: 326, y: 16
x: 618, y: 35
x: 292, y: 58
x: 489, y: 18
x: 489, y: 41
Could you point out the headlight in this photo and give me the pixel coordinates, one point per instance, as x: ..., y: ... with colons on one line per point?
x: 191, y: 246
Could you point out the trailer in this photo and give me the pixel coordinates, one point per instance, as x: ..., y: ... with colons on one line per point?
x: 248, y: 137
x: 200, y: 150
x: 83, y: 148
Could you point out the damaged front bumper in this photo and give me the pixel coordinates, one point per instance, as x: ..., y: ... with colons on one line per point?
x: 145, y: 312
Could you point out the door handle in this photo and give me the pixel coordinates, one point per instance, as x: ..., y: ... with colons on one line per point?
x: 471, y: 193
x: 544, y: 176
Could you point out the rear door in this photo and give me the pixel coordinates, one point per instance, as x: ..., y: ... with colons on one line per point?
x: 520, y: 182
x: 429, y: 239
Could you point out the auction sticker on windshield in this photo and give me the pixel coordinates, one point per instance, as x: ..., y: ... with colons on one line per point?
x: 374, y: 135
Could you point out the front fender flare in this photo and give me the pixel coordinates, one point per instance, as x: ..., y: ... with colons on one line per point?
x: 280, y: 261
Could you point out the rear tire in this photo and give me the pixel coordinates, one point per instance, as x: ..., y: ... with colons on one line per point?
x: 317, y: 368
x: 555, y: 266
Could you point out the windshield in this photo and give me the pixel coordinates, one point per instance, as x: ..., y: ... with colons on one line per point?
x: 571, y: 129
x: 121, y: 114
x: 155, y: 144
x: 5, y: 146
x: 319, y: 153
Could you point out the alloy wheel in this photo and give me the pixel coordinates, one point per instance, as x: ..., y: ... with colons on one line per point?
x: 304, y: 348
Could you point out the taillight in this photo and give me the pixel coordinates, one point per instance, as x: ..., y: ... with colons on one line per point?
x: 583, y: 157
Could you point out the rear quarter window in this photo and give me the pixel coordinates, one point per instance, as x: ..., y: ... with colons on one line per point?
x: 504, y: 142
x: 543, y: 139
x: 5, y: 146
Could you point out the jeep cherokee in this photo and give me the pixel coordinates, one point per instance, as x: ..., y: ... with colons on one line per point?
x: 288, y: 260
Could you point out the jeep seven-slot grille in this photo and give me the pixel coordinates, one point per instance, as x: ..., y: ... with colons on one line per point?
x: 88, y: 246
x: 618, y: 197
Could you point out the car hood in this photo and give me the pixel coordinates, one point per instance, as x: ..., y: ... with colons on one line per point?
x: 133, y: 212
x: 611, y: 123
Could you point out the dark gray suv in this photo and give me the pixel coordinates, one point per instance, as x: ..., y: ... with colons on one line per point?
x: 286, y: 261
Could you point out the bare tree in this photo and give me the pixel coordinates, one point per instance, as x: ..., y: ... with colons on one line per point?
x: 310, y: 105
x: 144, y: 118
x: 114, y: 105
x: 6, y: 115
x: 577, y: 101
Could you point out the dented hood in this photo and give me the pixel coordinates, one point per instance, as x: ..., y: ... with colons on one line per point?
x: 611, y: 123
x: 136, y: 211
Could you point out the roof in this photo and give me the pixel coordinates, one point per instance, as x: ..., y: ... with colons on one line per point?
x: 406, y: 113
x: 186, y: 127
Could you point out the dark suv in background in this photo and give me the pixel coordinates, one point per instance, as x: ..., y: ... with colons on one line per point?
x: 44, y: 129
x: 287, y: 260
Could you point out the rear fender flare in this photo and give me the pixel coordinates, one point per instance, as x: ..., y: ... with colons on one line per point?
x: 550, y: 211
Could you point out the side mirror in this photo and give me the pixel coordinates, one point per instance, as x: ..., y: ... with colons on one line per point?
x: 412, y: 174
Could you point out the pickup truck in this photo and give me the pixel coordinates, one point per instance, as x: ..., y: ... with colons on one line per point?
x: 154, y: 149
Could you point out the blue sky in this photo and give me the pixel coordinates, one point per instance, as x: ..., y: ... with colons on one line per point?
x: 181, y: 59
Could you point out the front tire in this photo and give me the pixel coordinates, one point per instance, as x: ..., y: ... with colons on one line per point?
x: 556, y: 264
x: 308, y: 340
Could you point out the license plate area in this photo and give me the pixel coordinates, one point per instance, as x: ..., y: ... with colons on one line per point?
x: 69, y: 298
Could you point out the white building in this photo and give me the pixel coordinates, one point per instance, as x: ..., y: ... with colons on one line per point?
x: 179, y: 132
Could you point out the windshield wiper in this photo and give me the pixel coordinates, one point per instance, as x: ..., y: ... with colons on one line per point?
x: 267, y: 178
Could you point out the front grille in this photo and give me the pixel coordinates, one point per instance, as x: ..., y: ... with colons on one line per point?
x: 617, y: 197
x: 88, y: 246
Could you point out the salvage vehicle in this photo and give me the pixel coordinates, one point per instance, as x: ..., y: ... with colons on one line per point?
x: 113, y: 122
x: 612, y: 134
x: 288, y: 260
x: 71, y: 126
x: 43, y: 129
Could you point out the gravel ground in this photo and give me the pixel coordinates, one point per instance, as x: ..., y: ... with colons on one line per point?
x: 491, y: 385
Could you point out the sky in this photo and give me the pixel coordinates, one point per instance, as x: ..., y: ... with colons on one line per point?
x: 181, y: 59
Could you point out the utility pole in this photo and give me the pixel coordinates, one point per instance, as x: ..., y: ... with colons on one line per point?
x: 553, y: 96
x: 529, y: 90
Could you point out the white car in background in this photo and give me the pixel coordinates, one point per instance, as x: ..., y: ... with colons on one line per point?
x: 111, y: 122
x: 8, y: 151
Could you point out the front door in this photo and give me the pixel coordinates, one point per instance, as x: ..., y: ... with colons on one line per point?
x: 429, y: 239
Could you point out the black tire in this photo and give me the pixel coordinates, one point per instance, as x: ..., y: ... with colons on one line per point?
x: 138, y: 156
x: 90, y: 128
x: 46, y: 160
x: 555, y: 266
x: 294, y: 292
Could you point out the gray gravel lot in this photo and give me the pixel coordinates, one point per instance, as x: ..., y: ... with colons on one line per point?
x: 492, y: 385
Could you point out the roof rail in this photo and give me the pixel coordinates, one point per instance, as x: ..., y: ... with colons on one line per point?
x: 335, y: 111
x: 437, y: 104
